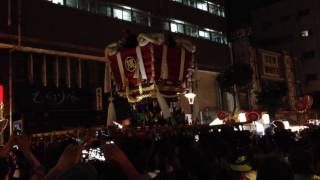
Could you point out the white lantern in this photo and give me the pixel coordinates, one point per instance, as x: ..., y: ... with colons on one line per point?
x: 265, y: 119
x: 242, y: 117
x: 190, y: 96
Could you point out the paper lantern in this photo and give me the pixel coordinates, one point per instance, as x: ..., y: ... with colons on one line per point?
x: 252, y: 116
x: 1, y: 94
x: 300, y: 105
x: 308, y: 100
x: 221, y: 115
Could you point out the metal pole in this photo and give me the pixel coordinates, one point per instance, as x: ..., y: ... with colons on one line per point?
x: 10, y: 92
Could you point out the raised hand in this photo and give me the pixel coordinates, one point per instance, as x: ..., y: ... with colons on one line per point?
x: 23, y: 143
x: 4, y: 152
x: 69, y: 157
x: 114, y: 153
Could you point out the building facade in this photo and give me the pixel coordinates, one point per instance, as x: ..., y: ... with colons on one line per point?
x: 292, y: 26
x: 271, y: 69
x: 49, y: 45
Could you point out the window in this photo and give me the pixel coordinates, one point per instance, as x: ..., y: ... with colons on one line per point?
x: 57, y: 1
x: 192, y: 3
x: 105, y: 10
x: 270, y: 65
x: 204, y: 34
x: 117, y: 13
x: 305, y: 33
x: 72, y: 3
x: 139, y: 18
x: 122, y: 13
x: 308, y: 54
x: 126, y: 15
x: 176, y: 27
x: 203, y: 5
x: 111, y: 10
x: 191, y: 31
x: 136, y: 16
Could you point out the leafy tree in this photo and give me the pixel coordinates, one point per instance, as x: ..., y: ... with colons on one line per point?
x: 271, y: 97
x: 235, y: 77
x: 316, y: 100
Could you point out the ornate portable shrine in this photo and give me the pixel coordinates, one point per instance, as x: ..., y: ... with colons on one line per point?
x: 157, y: 66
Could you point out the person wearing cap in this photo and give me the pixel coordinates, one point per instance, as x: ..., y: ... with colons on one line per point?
x: 242, y: 168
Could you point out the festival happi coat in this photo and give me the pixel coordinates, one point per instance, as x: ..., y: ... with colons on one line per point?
x: 153, y: 68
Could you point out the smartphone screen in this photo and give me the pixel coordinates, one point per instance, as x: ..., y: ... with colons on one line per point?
x: 18, y: 127
x: 93, y: 154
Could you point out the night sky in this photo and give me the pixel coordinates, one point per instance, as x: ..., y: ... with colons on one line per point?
x: 239, y: 11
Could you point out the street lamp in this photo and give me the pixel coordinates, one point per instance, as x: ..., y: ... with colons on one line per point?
x: 190, y: 96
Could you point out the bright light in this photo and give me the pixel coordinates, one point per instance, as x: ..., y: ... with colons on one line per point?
x: 305, y: 33
x: 286, y: 124
x: 242, y: 117
x: 190, y: 96
x: 58, y: 2
x: 240, y: 127
x: 127, y: 7
x: 93, y: 154
x: 177, y: 21
x: 259, y: 127
x: 117, y: 124
x: 298, y: 128
x: 216, y: 122
x: 265, y: 119
x: 189, y: 118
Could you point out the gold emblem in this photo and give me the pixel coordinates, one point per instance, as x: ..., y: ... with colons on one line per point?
x: 130, y: 64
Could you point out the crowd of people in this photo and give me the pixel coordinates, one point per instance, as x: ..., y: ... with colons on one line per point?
x: 218, y: 153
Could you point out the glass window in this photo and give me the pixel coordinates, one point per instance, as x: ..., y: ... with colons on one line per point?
x: 140, y: 18
x: 173, y: 27
x: 166, y: 26
x: 92, y: 7
x: 72, y: 3
x: 126, y: 15
x: 192, y: 3
x: 270, y: 65
x: 117, y: 13
x: 176, y: 27
x: 191, y: 30
x: 104, y: 10
x: 202, y: 5
x: 83, y: 4
x: 58, y: 2
x: 208, y: 6
x: 204, y: 34
x: 213, y: 9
